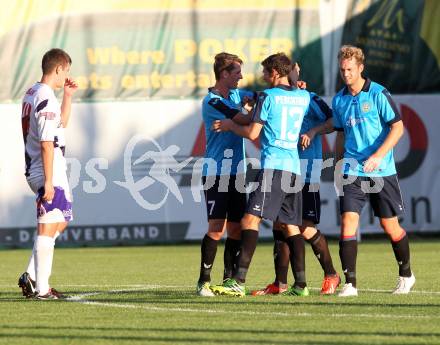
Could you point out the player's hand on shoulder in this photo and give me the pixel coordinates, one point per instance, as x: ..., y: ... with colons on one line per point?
x: 222, y: 125
x: 70, y: 86
x: 49, y: 192
x: 248, y: 107
x: 301, y: 84
x: 248, y: 103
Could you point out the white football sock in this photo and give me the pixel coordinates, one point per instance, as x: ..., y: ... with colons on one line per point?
x: 31, y: 265
x: 44, y: 247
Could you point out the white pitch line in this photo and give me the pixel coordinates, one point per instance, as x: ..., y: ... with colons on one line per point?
x: 185, y: 310
x: 81, y: 299
x: 158, y: 286
x: 150, y: 286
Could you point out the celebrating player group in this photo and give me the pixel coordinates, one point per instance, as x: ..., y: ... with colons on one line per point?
x: 288, y: 120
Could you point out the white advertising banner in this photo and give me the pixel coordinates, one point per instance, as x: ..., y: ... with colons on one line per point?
x: 134, y: 172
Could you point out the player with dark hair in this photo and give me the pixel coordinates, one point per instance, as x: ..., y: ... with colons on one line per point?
x: 369, y: 126
x: 278, y: 116
x: 317, y: 121
x: 43, y: 122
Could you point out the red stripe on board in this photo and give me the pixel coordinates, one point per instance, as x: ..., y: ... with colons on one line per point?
x: 415, y: 127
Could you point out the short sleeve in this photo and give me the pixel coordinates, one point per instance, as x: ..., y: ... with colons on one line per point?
x: 388, y: 110
x: 262, y: 108
x: 226, y: 110
x: 45, y: 113
x: 319, y: 108
x: 337, y: 124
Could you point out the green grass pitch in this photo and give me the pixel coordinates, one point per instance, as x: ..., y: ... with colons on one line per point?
x: 139, y: 295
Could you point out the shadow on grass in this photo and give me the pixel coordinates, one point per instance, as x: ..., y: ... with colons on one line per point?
x: 222, y: 331
x: 164, y: 336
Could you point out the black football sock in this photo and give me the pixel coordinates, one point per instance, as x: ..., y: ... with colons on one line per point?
x: 280, y: 257
x: 298, y: 259
x: 230, y: 257
x: 208, y: 249
x: 348, y: 255
x: 320, y: 248
x: 249, y: 240
x: 401, y: 252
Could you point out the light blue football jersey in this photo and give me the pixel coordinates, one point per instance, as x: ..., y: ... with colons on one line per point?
x: 281, y: 110
x: 226, y: 149
x: 311, y: 158
x: 365, y: 119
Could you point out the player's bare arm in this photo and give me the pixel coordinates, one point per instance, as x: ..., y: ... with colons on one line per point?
x: 70, y: 87
x: 242, y: 119
x: 47, y: 150
x: 324, y: 128
x: 393, y: 137
x: 251, y: 131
